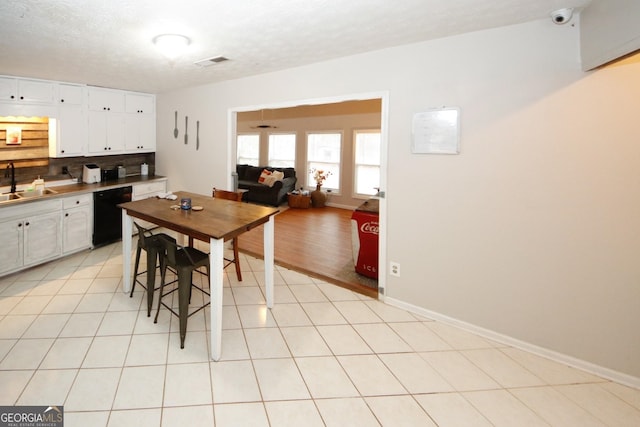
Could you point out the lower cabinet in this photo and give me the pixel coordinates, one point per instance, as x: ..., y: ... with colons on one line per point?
x: 77, y: 223
x: 30, y: 236
x: 42, y: 238
x: 40, y: 231
x: 11, y: 250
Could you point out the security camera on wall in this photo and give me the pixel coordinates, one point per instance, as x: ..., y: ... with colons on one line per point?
x: 561, y: 16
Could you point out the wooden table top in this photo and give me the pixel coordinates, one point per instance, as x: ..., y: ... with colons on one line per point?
x: 219, y: 218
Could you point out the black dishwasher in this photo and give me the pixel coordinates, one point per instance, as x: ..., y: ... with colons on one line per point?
x: 107, y: 216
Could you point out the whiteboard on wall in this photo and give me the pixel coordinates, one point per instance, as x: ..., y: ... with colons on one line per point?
x: 436, y: 131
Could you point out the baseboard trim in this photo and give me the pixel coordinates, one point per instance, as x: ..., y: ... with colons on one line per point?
x: 592, y: 368
x: 340, y: 206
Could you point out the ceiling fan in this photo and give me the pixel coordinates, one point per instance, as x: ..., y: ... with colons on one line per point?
x: 262, y: 124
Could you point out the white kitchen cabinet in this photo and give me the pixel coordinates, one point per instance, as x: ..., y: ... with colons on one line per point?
x: 140, y: 103
x: 140, y: 122
x: 106, y: 133
x: 107, y: 100
x: 71, y: 94
x: 69, y: 138
x: 8, y: 89
x: 89, y: 121
x: 140, y: 133
x: 106, y: 121
x: 36, y: 91
x: 26, y: 90
x: 43, y: 230
x: 22, y: 97
x: 11, y: 249
x: 42, y: 238
x: 145, y: 190
x: 77, y: 223
x: 31, y: 234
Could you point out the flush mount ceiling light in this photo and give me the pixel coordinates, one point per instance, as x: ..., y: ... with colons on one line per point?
x: 171, y: 45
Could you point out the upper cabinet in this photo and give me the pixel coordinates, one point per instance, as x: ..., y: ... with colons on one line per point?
x: 69, y: 138
x: 140, y: 103
x: 140, y: 123
x: 70, y: 94
x: 106, y: 121
x: 89, y: 120
x: 8, y: 89
x: 26, y: 97
x: 107, y: 100
x: 26, y: 91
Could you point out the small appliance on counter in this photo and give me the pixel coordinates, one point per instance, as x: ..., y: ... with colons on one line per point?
x: 109, y: 175
x: 91, y: 173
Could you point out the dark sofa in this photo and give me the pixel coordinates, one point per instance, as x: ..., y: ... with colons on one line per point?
x: 259, y: 193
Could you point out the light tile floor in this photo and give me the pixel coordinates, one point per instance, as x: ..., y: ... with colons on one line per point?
x: 322, y: 356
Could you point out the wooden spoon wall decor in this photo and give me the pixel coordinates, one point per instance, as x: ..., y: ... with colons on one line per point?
x: 197, y: 135
x: 175, y: 126
x: 186, y: 127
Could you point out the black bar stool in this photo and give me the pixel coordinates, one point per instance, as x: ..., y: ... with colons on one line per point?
x: 148, y: 242
x: 184, y: 260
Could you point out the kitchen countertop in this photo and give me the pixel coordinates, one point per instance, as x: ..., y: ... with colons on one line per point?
x: 65, y: 190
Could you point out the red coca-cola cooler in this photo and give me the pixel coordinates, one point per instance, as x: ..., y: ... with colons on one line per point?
x: 364, y: 237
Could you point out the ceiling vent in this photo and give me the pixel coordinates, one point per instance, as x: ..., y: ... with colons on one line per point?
x: 211, y: 61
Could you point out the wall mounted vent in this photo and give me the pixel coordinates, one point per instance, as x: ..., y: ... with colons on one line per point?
x: 210, y: 61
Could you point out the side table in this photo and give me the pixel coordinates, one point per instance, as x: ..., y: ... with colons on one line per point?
x: 299, y: 201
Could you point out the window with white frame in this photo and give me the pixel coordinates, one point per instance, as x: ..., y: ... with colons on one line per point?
x: 248, y: 149
x: 324, y: 154
x: 282, y: 150
x: 367, y: 162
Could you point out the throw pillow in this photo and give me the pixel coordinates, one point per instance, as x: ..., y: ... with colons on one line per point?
x: 270, y: 180
x: 263, y: 176
x: 278, y: 175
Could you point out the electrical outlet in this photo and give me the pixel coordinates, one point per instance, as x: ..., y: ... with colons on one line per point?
x: 395, y: 269
x: 65, y: 170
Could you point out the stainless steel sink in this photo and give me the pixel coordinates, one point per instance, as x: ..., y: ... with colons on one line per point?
x: 34, y: 193
x: 9, y: 196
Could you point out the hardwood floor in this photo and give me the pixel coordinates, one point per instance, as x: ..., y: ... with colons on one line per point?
x: 315, y: 242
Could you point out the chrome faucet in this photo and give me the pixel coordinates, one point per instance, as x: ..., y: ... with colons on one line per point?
x: 11, y: 170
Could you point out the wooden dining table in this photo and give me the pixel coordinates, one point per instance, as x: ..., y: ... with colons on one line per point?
x: 218, y: 220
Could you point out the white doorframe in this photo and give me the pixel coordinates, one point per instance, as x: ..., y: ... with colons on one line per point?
x: 384, y: 148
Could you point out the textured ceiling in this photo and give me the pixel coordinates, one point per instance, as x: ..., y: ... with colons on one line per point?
x: 108, y: 42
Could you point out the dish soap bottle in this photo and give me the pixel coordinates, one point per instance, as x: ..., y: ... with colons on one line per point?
x: 38, y: 185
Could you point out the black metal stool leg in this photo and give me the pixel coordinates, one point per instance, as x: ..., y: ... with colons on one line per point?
x: 135, y: 271
x: 163, y: 274
x: 184, y: 291
x: 152, y: 256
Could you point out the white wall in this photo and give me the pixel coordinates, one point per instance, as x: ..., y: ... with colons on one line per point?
x: 609, y: 29
x: 533, y: 231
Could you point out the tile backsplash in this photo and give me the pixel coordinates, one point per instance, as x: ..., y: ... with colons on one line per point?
x: 53, y: 171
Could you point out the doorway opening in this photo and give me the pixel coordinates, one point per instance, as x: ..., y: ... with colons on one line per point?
x: 254, y: 117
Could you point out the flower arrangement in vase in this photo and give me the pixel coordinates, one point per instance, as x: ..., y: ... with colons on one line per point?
x: 318, y: 198
x: 319, y: 176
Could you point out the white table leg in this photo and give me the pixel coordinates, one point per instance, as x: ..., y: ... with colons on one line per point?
x: 268, y: 259
x: 216, y: 260
x: 127, y: 230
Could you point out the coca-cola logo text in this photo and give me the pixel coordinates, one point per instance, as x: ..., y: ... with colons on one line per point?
x: 370, y: 227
